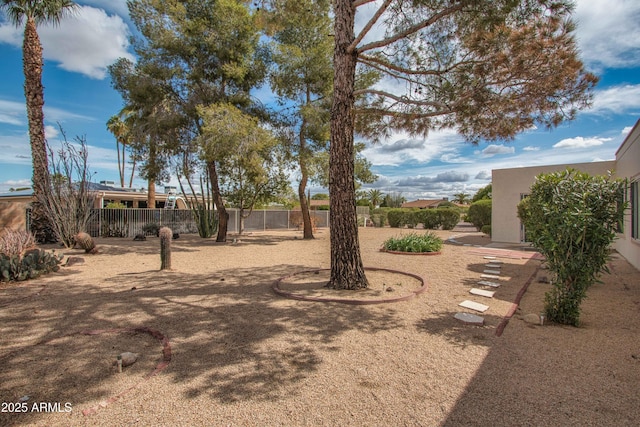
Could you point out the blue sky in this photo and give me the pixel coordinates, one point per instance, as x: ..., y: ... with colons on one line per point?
x: 78, y: 95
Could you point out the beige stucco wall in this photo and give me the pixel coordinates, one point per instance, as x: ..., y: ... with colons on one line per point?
x: 13, y: 215
x: 509, y: 184
x: 628, y: 166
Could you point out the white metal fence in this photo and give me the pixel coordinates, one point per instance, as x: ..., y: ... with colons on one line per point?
x: 130, y: 222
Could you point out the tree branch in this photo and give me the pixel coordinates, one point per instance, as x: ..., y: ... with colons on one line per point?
x: 370, y: 24
x: 412, y: 29
x: 358, y: 3
x: 400, y: 99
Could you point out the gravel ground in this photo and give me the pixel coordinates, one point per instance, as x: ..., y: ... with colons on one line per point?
x: 243, y: 356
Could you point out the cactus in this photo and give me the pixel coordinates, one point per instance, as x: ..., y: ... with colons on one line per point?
x: 34, y: 263
x: 165, y: 248
x: 86, y: 242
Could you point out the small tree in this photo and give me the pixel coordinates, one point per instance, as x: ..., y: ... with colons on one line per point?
x: 571, y: 218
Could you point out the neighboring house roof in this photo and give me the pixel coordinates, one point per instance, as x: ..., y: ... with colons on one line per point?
x: 423, y: 204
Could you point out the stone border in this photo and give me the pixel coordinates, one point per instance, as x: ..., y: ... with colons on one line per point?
x: 411, y: 253
x: 352, y: 301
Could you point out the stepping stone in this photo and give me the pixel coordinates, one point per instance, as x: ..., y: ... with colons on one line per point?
x: 474, y: 306
x: 482, y: 292
x: 488, y: 283
x: 469, y: 318
x: 491, y: 271
x: 489, y: 276
x: 492, y: 265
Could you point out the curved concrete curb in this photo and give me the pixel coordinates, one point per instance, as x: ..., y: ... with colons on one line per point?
x: 411, y: 253
x: 352, y: 301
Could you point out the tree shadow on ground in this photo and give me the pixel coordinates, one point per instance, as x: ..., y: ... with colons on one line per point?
x: 225, y: 330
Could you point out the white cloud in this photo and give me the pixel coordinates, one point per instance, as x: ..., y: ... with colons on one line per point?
x: 626, y: 130
x: 531, y: 148
x: 86, y: 42
x: 118, y: 7
x: 493, y: 149
x: 608, y: 32
x: 437, y: 145
x: 580, y: 142
x: 616, y: 99
x: 50, y: 132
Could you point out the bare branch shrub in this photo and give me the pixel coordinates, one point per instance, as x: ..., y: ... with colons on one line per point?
x: 69, y: 204
x: 16, y: 242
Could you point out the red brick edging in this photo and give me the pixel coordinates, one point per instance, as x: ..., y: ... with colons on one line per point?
x: 516, y: 303
x: 410, y: 253
x: 352, y: 301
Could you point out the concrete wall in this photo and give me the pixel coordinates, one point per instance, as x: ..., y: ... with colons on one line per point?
x: 628, y: 166
x: 509, y: 184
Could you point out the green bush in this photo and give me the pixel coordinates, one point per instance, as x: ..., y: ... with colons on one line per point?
x: 383, y: 215
x: 396, y: 218
x: 411, y: 218
x: 377, y: 220
x: 151, y: 229
x: 572, y: 218
x: 429, y: 218
x: 34, y: 263
x: 414, y: 242
x: 449, y: 218
x: 486, y: 229
x: 480, y: 213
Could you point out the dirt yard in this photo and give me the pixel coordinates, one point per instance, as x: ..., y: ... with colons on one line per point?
x: 218, y: 347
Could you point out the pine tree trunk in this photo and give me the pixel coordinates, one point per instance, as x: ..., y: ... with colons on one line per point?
x: 347, y: 270
x: 223, y: 215
x: 34, y: 94
x: 304, y: 205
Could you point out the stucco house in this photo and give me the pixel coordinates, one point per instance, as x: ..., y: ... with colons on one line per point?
x: 511, y: 185
x: 13, y: 205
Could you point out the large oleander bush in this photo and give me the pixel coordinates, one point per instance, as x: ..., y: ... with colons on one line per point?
x: 572, y: 218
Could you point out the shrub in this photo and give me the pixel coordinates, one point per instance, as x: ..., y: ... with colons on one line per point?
x: 32, y: 264
x: 411, y: 218
x: 429, y: 218
x: 151, y: 229
x: 448, y: 218
x: 486, y: 229
x: 571, y: 218
x: 396, y: 218
x: 383, y: 215
x: 414, y: 242
x: 16, y: 242
x: 115, y: 205
x: 480, y: 213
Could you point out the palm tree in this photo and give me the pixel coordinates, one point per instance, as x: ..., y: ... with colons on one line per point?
x: 375, y: 197
x: 35, y: 12
x: 462, y: 198
x: 122, y: 130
